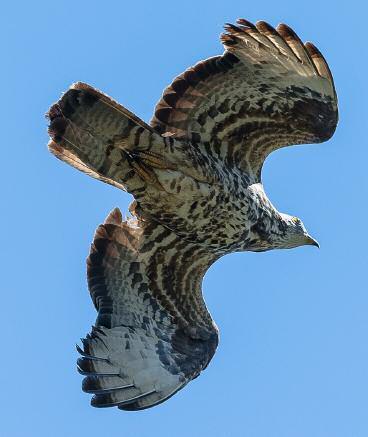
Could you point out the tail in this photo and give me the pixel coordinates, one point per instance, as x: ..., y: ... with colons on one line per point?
x: 96, y: 135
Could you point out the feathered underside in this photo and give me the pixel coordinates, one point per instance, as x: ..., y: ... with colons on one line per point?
x: 268, y: 90
x: 153, y: 333
x: 190, y: 172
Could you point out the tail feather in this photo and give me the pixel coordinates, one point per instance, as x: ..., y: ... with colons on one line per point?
x: 96, y: 135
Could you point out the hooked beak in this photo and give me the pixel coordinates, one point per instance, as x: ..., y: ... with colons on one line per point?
x: 311, y: 241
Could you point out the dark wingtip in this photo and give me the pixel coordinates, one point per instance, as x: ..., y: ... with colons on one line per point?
x: 79, y: 349
x: 228, y: 40
x: 232, y: 30
x: 265, y: 27
x: 246, y: 23
x: 313, y: 50
x: 287, y: 32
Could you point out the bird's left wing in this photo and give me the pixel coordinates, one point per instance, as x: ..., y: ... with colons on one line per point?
x: 153, y: 333
x: 267, y: 90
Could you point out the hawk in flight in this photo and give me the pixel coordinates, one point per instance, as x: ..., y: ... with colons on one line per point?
x: 195, y: 174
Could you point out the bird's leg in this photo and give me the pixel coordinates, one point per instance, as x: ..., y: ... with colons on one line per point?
x: 155, y: 160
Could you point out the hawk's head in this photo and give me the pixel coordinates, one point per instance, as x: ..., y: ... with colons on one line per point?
x: 295, y: 234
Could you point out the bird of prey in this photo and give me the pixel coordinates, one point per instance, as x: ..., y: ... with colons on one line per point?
x: 195, y: 174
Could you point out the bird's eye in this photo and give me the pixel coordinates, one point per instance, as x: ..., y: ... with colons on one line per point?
x: 295, y: 220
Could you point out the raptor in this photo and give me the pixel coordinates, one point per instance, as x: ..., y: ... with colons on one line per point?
x: 195, y: 174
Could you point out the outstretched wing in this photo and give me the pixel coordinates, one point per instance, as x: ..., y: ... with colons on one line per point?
x: 153, y: 333
x: 268, y: 90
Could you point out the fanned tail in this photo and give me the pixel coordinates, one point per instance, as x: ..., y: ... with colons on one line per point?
x: 96, y: 135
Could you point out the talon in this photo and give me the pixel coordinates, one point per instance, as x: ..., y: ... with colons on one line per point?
x: 145, y: 173
x: 156, y: 161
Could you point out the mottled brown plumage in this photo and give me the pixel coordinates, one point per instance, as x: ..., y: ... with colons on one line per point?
x: 195, y: 174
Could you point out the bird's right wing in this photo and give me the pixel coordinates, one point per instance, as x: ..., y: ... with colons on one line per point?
x: 153, y: 333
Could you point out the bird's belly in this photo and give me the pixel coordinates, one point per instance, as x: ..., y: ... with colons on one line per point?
x: 213, y: 218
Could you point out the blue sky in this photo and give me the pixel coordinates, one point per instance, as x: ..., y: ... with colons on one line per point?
x: 293, y: 358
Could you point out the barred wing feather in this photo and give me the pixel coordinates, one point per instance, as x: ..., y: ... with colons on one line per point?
x: 153, y: 333
x: 267, y: 90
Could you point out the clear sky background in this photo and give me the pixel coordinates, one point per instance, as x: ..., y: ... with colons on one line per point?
x: 293, y: 358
